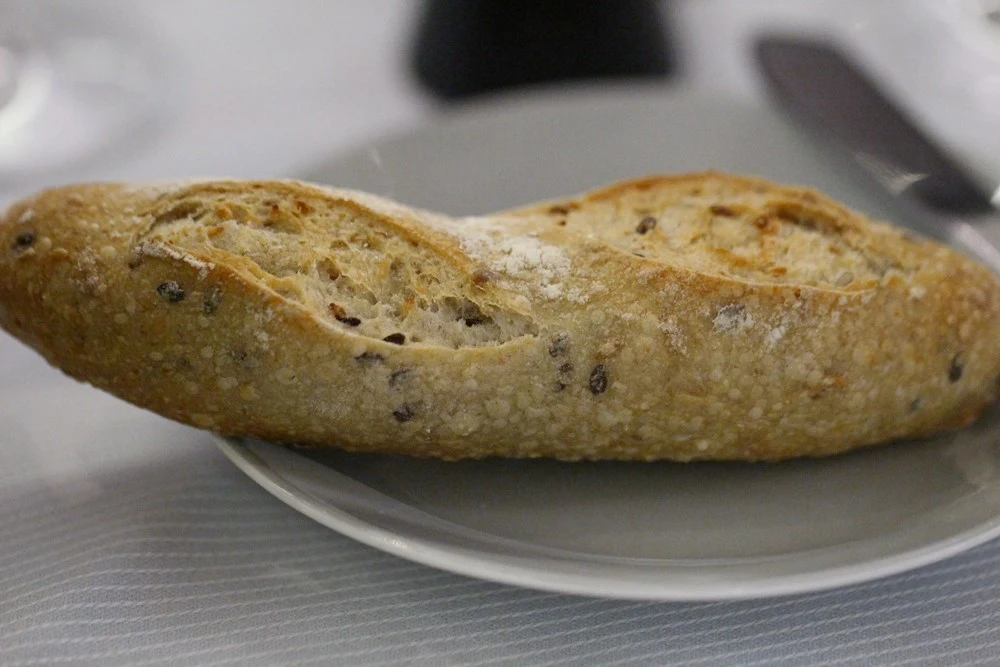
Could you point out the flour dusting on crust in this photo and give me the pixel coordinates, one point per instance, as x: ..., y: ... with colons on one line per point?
x: 150, y: 249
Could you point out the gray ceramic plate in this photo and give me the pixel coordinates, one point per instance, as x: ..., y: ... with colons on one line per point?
x: 645, y: 531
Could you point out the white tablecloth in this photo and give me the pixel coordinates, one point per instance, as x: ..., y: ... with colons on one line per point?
x: 128, y: 539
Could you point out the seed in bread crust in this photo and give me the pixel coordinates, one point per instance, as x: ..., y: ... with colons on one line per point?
x: 598, y: 382
x: 646, y: 225
x: 404, y: 413
x: 23, y: 240
x: 395, y: 338
x: 171, y: 291
x: 955, y: 368
x: 341, y: 315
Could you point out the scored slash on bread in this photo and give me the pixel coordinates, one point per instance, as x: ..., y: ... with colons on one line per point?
x: 703, y: 316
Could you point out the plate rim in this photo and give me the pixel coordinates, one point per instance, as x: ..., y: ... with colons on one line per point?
x: 486, y: 566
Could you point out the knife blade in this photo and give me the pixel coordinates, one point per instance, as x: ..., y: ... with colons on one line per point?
x: 830, y: 94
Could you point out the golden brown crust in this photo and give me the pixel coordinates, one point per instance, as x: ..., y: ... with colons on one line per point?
x: 704, y: 316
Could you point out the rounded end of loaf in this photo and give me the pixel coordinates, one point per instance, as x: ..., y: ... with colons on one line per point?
x: 54, y: 246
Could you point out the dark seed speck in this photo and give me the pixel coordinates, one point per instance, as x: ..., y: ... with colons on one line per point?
x: 395, y: 338
x: 23, y: 240
x: 350, y: 321
x: 404, y: 413
x: 171, y: 291
x: 646, y: 225
x: 598, y: 379
x: 955, y: 369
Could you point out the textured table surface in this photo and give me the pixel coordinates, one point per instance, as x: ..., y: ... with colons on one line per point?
x: 128, y: 539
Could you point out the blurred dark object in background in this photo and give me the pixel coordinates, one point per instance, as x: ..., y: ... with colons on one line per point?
x: 469, y: 47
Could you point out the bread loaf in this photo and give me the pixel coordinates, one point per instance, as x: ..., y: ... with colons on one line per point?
x: 702, y: 316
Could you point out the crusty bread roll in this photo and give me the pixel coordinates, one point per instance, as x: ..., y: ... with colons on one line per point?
x: 704, y: 316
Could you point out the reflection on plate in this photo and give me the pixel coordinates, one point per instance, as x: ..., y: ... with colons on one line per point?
x: 632, y: 530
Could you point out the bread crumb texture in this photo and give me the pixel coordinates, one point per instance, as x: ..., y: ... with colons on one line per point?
x: 696, y: 317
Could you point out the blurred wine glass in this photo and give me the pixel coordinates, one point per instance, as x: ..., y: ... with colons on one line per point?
x: 76, y: 82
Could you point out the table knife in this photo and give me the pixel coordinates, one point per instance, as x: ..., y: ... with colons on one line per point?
x: 831, y: 95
